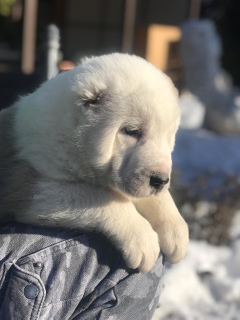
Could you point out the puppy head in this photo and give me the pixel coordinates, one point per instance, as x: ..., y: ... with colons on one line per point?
x: 128, y: 119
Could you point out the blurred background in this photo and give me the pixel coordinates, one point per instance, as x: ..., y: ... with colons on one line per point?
x: 149, y: 28
x: 197, y: 43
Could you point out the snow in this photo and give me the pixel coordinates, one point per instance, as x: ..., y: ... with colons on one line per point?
x: 206, y: 284
x: 200, y: 151
x: 192, y: 111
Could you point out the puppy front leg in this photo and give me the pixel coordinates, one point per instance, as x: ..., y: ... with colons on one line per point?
x: 85, y: 207
x: 166, y: 220
x: 131, y: 233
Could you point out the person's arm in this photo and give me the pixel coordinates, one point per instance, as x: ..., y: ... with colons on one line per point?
x: 87, y: 207
x: 52, y: 273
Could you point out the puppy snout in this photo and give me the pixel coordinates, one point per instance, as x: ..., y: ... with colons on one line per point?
x: 157, y: 181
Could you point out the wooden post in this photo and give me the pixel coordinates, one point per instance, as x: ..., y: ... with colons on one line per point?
x: 195, y: 8
x: 129, y: 25
x: 158, y: 40
x: 29, y: 36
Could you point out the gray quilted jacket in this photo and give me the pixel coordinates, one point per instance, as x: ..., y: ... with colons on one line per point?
x: 55, y: 274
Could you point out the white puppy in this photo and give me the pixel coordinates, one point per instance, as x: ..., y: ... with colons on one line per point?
x: 91, y: 149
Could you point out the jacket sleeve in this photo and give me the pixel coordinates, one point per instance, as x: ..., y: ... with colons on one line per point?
x: 50, y: 273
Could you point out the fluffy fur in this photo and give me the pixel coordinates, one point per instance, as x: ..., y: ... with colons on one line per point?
x: 80, y: 153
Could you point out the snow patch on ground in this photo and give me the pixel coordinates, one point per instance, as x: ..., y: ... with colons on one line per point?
x: 204, y: 286
x: 200, y: 151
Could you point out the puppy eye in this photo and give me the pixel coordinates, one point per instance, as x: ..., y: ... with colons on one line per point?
x: 94, y: 101
x: 137, y: 134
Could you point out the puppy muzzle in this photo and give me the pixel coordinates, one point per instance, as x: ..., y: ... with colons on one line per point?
x: 158, y: 181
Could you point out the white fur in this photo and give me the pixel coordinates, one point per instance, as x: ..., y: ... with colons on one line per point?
x: 93, y: 175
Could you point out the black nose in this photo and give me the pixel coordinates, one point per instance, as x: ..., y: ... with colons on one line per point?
x: 159, y: 180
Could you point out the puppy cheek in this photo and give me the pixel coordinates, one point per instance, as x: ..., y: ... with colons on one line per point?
x: 104, y: 147
x: 140, y: 189
x: 116, y: 178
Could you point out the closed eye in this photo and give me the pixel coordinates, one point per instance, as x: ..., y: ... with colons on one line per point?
x: 93, y: 101
x: 135, y: 133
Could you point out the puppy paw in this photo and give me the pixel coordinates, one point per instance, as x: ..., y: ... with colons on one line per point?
x: 141, y: 247
x: 173, y: 238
